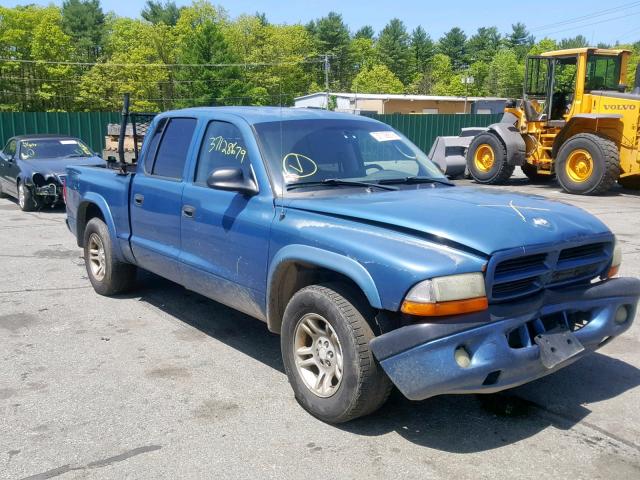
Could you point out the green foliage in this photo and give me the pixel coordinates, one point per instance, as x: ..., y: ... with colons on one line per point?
x: 422, y: 50
x: 393, y: 49
x: 377, y: 79
x: 83, y: 21
x: 506, y: 74
x: 365, y: 32
x: 453, y: 44
x: 158, y: 12
x: 77, y: 58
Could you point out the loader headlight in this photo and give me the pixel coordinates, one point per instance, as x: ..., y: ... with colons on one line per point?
x: 616, y: 261
x: 450, y: 295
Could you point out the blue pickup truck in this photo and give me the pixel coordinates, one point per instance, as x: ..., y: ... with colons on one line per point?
x: 346, y: 240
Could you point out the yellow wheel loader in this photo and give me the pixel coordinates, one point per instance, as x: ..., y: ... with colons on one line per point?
x: 575, y: 122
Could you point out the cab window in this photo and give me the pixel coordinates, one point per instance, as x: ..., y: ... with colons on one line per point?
x: 603, y: 72
x: 222, y: 147
x: 10, y: 149
x: 174, y: 145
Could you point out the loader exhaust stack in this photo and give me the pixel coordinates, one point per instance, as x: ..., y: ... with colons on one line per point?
x: 636, y: 89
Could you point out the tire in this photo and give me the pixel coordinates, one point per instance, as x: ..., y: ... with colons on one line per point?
x: 363, y: 386
x: 114, y: 277
x: 587, y: 164
x: 26, y: 202
x: 487, y: 160
x: 532, y: 174
x: 632, y: 182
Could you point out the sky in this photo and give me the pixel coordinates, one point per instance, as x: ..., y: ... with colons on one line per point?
x: 599, y: 21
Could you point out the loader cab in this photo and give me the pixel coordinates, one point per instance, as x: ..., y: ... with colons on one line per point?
x: 555, y: 82
x: 550, y: 87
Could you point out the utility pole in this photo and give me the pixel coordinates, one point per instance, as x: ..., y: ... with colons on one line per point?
x: 326, y: 78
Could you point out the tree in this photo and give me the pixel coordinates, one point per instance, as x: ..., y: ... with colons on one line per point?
x: 84, y: 22
x: 578, y: 41
x: 365, y: 32
x: 519, y: 40
x: 453, y: 44
x: 393, y: 49
x: 506, y: 75
x: 158, y: 12
x: 332, y: 37
x: 377, y: 79
x: 484, y: 44
x: 422, y: 50
x: 363, y: 53
x: 201, y: 42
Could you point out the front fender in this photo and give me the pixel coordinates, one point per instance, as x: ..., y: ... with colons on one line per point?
x: 103, y: 206
x: 513, y: 141
x: 324, y: 259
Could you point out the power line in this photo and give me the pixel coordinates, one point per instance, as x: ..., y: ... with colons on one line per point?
x: 164, y: 65
x: 595, y: 14
x: 594, y: 23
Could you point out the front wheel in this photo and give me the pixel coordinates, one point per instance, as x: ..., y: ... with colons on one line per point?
x: 107, y: 275
x: 25, y: 199
x: 487, y: 160
x: 325, y: 350
x: 588, y: 164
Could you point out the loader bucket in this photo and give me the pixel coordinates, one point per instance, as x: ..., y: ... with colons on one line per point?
x: 449, y: 152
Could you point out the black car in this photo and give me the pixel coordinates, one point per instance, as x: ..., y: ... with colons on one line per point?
x: 32, y: 167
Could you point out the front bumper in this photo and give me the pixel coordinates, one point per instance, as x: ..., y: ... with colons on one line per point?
x: 419, y: 359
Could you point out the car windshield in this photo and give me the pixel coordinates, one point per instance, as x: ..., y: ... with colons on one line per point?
x: 35, y: 149
x: 326, y: 153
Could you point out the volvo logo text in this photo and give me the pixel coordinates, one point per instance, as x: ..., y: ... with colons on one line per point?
x: 619, y: 107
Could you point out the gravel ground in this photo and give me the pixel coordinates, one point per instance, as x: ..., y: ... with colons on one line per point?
x: 164, y: 383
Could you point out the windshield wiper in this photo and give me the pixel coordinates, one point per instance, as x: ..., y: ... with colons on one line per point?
x: 414, y: 180
x: 75, y: 155
x: 338, y: 182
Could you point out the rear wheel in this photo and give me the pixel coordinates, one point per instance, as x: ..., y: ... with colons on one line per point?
x: 632, y: 182
x: 531, y: 171
x: 487, y: 160
x: 325, y: 350
x: 107, y: 275
x: 588, y: 164
x: 25, y: 199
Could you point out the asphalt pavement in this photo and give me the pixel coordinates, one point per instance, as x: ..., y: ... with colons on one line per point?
x: 163, y: 383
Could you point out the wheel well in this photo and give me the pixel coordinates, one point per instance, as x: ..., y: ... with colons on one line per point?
x: 293, y: 276
x: 86, y: 212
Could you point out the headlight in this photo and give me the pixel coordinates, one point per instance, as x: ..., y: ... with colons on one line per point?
x: 615, y: 261
x: 450, y: 295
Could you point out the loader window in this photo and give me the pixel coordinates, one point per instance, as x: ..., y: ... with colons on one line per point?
x: 537, y: 80
x: 603, y: 72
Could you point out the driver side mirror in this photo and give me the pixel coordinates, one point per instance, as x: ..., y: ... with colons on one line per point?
x: 232, y: 180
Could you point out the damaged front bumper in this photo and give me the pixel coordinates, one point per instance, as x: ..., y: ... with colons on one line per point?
x: 500, y: 343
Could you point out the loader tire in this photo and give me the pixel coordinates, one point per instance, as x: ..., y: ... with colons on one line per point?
x: 532, y: 174
x: 487, y: 160
x: 588, y: 164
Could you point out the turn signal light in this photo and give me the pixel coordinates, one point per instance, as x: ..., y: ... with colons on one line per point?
x: 440, y: 309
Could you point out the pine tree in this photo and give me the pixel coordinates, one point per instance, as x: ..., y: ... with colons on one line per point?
x: 393, y: 48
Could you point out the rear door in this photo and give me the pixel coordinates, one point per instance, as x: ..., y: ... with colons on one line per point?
x: 156, y: 197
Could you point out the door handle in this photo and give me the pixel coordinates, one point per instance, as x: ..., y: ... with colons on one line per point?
x: 188, y: 211
x: 138, y: 199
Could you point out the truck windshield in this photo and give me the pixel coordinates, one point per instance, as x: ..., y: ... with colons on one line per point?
x: 315, y: 153
x: 38, y: 149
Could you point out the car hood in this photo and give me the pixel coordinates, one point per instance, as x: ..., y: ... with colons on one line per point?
x: 57, y: 166
x: 470, y: 218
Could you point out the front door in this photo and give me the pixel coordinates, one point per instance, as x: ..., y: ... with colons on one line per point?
x: 156, y: 198
x: 225, y: 235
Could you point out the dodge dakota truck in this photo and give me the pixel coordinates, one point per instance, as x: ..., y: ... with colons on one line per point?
x: 345, y: 239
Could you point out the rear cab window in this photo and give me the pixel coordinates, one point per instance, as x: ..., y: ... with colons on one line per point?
x: 168, y: 148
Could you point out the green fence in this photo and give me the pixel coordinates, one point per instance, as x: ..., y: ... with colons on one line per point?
x: 92, y: 126
x: 88, y: 126
x: 423, y: 129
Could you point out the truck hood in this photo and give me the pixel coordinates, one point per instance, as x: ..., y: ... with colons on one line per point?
x: 478, y: 220
x: 57, y: 166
